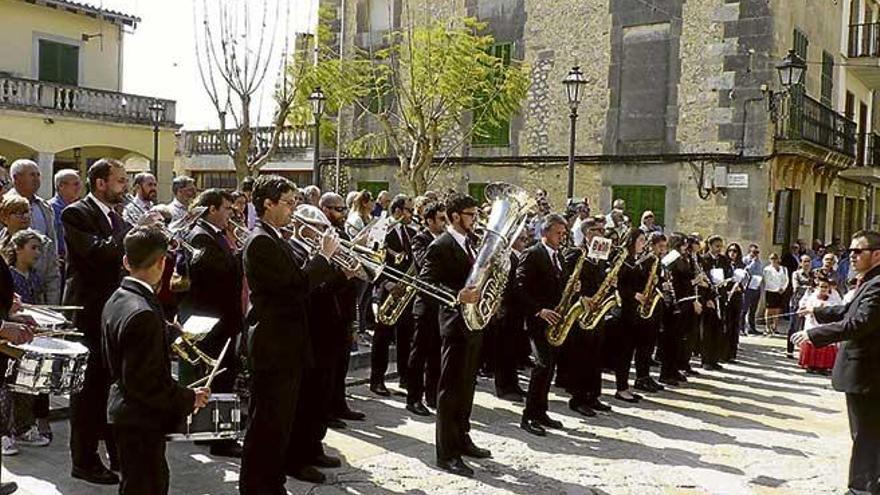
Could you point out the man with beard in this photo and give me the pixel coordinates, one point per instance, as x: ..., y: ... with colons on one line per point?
x: 93, y: 233
x: 145, y: 194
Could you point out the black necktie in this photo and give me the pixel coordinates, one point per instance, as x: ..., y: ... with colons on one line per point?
x: 468, y: 247
x: 115, y: 221
x: 221, y: 239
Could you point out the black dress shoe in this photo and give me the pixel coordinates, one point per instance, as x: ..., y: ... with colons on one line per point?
x: 681, y: 377
x: 632, y: 399
x: 8, y: 488
x: 583, y: 410
x: 326, y: 461
x: 533, y: 427
x: 657, y: 386
x: 336, y: 424
x: 669, y: 380
x: 309, y: 474
x: 644, y: 385
x: 226, y: 448
x: 97, y: 474
x: 350, y: 415
x: 418, y: 409
x: 510, y: 396
x: 547, y: 422
x: 596, y: 405
x: 431, y: 401
x: 457, y: 467
x: 472, y: 450
x: 691, y: 372
x: 712, y: 367
x: 379, y: 389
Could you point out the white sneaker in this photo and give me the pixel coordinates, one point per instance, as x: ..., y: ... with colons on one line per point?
x: 8, y: 446
x: 32, y: 438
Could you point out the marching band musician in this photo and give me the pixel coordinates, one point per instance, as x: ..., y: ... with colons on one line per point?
x: 145, y: 195
x: 447, y: 264
x: 511, y: 331
x: 215, y: 285
x: 343, y: 293
x: 424, y: 356
x: 145, y: 402
x: 540, y: 280
x: 397, y: 241
x: 681, y: 314
x: 580, y: 360
x: 713, y: 337
x: 278, y: 337
x: 629, y: 326
x: 699, y: 284
x: 93, y: 233
x: 647, y: 339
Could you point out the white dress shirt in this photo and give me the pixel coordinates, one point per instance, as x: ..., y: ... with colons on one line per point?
x: 775, y: 280
x: 104, y: 207
x: 141, y: 282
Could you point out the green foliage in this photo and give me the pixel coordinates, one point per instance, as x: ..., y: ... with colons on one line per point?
x: 427, y: 92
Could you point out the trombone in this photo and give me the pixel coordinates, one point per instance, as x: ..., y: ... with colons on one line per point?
x: 368, y: 263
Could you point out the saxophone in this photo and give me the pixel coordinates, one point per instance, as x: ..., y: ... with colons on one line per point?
x: 651, y: 292
x: 570, y: 312
x: 393, y: 306
x: 590, y: 320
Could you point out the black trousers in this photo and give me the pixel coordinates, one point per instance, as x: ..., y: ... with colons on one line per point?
x: 274, y: 396
x: 339, y: 372
x: 401, y: 333
x: 143, y: 468
x: 542, y: 373
x: 88, y: 413
x: 310, y: 419
x: 424, y: 358
x: 625, y: 332
x: 690, y: 335
x: 365, y: 317
x: 582, y: 355
x: 712, y: 333
x: 458, y: 377
x: 506, y: 342
x: 646, y: 342
x: 864, y: 425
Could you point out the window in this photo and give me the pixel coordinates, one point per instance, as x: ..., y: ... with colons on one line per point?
x: 497, y: 133
x: 644, y: 88
x: 373, y: 186
x: 221, y: 180
x: 827, y: 78
x: 837, y: 221
x: 860, y: 219
x: 801, y: 44
x: 58, y: 62
x: 786, y: 219
x: 820, y: 213
x: 477, y: 190
x: 641, y: 198
x: 849, y: 226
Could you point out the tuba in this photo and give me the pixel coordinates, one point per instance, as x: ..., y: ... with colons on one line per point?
x: 570, y: 310
x: 510, y: 209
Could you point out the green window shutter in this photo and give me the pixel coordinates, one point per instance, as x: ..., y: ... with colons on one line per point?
x: 58, y: 63
x: 477, y: 190
x: 641, y: 198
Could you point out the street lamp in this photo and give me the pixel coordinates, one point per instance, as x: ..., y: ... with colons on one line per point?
x: 317, y: 100
x: 574, y: 83
x: 157, y: 113
x: 791, y: 71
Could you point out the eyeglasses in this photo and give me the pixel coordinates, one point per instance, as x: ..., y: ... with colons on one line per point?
x: 859, y: 251
x: 337, y: 209
x: 289, y: 202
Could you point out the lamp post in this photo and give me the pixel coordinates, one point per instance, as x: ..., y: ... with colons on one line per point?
x: 317, y: 100
x: 157, y: 112
x: 791, y: 70
x: 573, y: 83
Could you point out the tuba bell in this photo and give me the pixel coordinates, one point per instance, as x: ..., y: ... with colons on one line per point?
x: 510, y: 210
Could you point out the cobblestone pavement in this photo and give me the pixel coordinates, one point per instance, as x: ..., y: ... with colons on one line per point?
x: 762, y: 426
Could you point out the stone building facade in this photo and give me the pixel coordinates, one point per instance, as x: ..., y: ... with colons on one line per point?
x: 678, y: 103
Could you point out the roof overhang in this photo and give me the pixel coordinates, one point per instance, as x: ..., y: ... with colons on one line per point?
x: 88, y: 10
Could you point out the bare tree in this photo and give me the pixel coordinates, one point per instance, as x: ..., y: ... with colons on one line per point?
x: 237, y: 51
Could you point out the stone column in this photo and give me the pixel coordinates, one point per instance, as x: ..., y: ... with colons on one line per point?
x: 46, y: 162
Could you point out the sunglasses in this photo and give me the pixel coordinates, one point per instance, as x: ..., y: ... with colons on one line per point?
x: 858, y: 251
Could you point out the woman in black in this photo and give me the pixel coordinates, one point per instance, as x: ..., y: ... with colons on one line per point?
x: 631, y: 281
x: 733, y: 323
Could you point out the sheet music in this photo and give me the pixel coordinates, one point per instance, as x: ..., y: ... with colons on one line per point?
x: 199, y: 325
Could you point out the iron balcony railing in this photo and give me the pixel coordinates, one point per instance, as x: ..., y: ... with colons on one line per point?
x: 806, y: 119
x: 868, y: 151
x: 864, y: 40
x: 210, y: 142
x: 41, y: 96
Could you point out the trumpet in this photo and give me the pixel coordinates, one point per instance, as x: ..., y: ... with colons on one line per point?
x: 240, y: 233
x: 173, y: 231
x: 368, y: 263
x: 185, y: 347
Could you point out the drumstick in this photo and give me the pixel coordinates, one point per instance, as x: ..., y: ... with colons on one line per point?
x: 773, y: 317
x: 52, y: 307
x: 217, y: 364
x: 202, y: 380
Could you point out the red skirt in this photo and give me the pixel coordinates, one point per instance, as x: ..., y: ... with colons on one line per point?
x: 817, y: 358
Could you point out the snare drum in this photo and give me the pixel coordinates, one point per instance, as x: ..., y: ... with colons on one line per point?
x: 47, y: 319
x: 48, y: 366
x: 220, y: 419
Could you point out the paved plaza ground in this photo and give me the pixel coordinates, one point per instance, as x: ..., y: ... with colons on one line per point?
x: 762, y: 426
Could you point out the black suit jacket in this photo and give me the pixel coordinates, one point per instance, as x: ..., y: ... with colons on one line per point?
x: 448, y: 266
x: 857, y: 326
x: 394, y: 243
x: 215, y: 284
x: 136, y: 351
x: 94, y: 264
x: 539, y: 284
x: 278, y: 334
x: 682, y: 273
x: 423, y: 305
